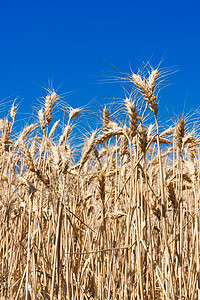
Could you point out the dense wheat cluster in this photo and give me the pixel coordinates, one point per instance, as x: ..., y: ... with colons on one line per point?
x: 120, y: 223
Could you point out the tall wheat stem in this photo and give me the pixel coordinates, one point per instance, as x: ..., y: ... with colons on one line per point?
x: 150, y: 230
x: 197, y: 238
x: 29, y: 235
x: 163, y: 203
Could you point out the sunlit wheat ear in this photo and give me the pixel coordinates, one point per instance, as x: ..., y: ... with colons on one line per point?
x: 151, y: 82
x: 6, y: 131
x: 193, y: 171
x: 53, y: 129
x: 1, y: 125
x: 113, y: 126
x: 65, y: 153
x: 28, y: 158
x: 143, y: 139
x: 167, y: 132
x: 74, y: 113
x: 133, y: 116
x: 147, y: 86
x: 33, y: 148
x: 96, y: 154
x: 13, y: 112
x: 105, y: 118
x: 42, y: 119
x: 179, y: 133
x: 108, y: 134
x: 89, y: 144
x: 56, y: 157
x: 49, y: 102
x: 65, y: 134
x: 26, y: 131
x: 101, y: 186
x: 138, y: 81
x: 150, y: 131
x: 123, y: 145
x: 61, y: 156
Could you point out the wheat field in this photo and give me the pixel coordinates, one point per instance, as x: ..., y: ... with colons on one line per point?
x: 119, y: 221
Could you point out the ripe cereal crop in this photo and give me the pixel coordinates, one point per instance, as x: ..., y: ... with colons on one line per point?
x: 121, y: 221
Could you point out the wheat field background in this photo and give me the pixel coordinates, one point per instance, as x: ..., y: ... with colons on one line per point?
x: 121, y: 221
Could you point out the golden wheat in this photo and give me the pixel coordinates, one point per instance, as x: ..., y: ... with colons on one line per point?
x: 119, y: 221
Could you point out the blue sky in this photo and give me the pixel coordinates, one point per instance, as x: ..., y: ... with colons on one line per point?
x: 74, y: 44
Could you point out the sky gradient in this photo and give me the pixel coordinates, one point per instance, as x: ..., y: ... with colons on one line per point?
x: 74, y: 44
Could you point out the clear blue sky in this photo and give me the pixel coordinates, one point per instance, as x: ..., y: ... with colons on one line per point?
x: 68, y: 43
